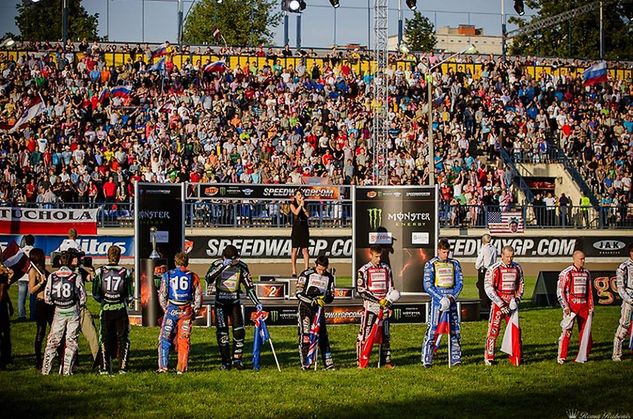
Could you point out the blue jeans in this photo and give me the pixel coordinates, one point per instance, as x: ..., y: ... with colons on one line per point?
x: 23, y: 292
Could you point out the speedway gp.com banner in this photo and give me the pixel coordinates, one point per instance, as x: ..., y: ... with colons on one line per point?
x: 268, y: 247
x: 14, y: 220
x: 248, y: 191
x: 536, y: 247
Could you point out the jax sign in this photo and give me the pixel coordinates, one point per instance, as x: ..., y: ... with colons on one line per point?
x: 403, y: 221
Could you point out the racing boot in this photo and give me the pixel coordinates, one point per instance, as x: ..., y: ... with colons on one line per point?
x: 329, y: 362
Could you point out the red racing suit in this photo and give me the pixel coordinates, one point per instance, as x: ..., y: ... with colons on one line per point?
x: 502, y: 283
x: 574, y: 292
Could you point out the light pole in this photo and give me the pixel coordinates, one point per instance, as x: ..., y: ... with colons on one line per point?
x: 179, y: 22
x: 400, y: 31
x: 503, y: 30
x: 429, y: 83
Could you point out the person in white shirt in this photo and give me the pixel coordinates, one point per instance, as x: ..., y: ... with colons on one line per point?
x: 71, y: 242
x: 486, y: 257
x: 23, y: 282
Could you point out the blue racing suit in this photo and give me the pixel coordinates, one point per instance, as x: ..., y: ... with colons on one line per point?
x: 442, y: 279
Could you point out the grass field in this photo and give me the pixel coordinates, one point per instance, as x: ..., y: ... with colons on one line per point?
x: 539, y: 388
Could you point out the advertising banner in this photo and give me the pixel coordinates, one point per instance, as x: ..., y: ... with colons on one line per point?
x: 252, y: 191
x: 341, y: 313
x: 159, y: 213
x: 14, y: 220
x: 92, y: 246
x: 267, y: 247
x: 605, y: 291
x: 403, y: 221
x: 597, y: 246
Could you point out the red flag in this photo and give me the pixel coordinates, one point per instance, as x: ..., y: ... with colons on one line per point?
x: 374, y: 338
x: 512, y: 339
x: 16, y: 259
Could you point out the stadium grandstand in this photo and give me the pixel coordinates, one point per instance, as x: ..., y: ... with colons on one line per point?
x: 79, y: 126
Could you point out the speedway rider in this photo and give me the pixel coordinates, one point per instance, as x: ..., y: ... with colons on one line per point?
x: 112, y: 287
x: 315, y: 288
x: 227, y: 276
x: 443, y: 281
x: 624, y: 278
x: 65, y: 290
x: 373, y: 282
x: 504, y: 285
x: 575, y: 296
x: 180, y: 296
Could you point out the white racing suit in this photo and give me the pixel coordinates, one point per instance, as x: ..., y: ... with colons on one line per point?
x: 65, y: 290
x: 374, y: 283
x: 442, y: 279
x: 624, y: 278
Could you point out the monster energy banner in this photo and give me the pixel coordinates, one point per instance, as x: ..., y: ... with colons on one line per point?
x: 403, y: 221
x: 159, y: 213
x: 280, y: 314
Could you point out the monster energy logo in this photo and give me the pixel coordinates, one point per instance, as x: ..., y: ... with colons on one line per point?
x: 375, y: 218
x: 274, y: 316
x: 397, y: 313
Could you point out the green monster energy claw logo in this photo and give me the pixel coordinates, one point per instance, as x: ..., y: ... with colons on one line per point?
x: 274, y: 316
x: 375, y: 218
x: 397, y: 313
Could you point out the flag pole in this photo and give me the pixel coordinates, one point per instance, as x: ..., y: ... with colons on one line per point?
x: 450, y: 331
x: 382, y: 310
x: 272, y: 348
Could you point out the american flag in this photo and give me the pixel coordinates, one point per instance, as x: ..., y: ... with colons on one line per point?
x: 504, y: 222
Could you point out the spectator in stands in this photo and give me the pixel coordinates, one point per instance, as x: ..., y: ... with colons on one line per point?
x: 563, y: 210
x: 550, y: 209
x: 262, y: 124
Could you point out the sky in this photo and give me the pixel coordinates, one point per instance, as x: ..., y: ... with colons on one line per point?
x: 123, y: 20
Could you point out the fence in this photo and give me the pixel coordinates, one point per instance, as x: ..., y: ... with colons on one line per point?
x: 336, y: 214
x: 359, y: 65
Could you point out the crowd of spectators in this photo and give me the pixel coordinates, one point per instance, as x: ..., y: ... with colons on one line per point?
x: 285, y: 124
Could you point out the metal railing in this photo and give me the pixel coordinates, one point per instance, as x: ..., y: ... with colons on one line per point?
x: 518, y: 179
x: 336, y: 214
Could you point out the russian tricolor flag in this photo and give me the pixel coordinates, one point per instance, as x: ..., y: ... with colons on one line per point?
x: 160, y: 51
x: 105, y: 93
x: 121, y: 91
x: 443, y: 328
x: 217, y: 67
x: 595, y: 74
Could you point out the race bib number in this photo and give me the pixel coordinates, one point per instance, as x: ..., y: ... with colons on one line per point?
x: 580, y: 285
x: 508, y: 281
x: 319, y: 282
x: 444, y: 275
x: 377, y: 280
x: 230, y: 281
